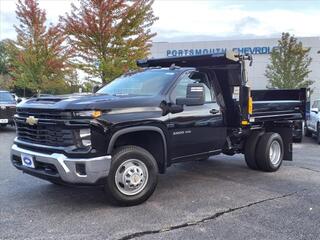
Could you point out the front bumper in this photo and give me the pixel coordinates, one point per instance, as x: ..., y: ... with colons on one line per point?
x: 59, y: 168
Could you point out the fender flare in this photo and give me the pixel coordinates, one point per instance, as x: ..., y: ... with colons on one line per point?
x: 120, y: 132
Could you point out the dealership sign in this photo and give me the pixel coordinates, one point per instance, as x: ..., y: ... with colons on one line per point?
x: 202, y: 51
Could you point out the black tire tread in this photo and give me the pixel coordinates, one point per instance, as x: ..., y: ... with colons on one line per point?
x: 250, y: 149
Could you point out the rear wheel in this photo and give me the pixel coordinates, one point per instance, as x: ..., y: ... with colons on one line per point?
x: 133, y: 176
x: 250, y: 149
x: 269, y: 152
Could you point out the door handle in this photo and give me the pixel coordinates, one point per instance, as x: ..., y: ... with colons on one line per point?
x: 214, y: 111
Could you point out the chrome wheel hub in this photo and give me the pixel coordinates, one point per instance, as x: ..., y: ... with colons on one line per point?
x: 275, y: 153
x: 131, y: 177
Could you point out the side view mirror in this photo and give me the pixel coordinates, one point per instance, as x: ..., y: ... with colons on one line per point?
x: 95, y: 88
x: 19, y: 100
x: 195, y: 95
x: 315, y: 110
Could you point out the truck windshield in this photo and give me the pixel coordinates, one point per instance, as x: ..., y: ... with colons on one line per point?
x: 6, y: 97
x: 148, y: 82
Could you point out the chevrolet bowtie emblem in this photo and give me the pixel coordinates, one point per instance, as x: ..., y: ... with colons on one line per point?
x: 31, y: 120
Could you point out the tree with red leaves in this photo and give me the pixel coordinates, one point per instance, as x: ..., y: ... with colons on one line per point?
x: 109, y: 35
x: 41, y: 58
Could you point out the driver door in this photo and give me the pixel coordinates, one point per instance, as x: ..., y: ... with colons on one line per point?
x: 197, y: 130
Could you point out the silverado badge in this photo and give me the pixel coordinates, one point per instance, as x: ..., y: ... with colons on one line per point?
x: 31, y: 120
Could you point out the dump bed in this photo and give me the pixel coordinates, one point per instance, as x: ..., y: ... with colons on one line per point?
x: 228, y: 74
x: 279, y: 105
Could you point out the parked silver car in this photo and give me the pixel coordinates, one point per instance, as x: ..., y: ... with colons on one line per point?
x: 312, y: 126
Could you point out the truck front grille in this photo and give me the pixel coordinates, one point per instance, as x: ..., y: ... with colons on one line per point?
x: 52, y: 128
x: 7, y: 112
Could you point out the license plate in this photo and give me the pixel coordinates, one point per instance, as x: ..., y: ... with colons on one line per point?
x: 4, y: 120
x: 27, y: 160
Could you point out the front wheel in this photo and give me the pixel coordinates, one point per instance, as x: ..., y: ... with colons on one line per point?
x: 269, y: 152
x: 133, y: 176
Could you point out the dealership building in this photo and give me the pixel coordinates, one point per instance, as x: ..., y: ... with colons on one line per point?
x: 259, y: 48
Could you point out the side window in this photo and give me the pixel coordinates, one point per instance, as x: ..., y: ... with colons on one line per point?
x: 180, y: 89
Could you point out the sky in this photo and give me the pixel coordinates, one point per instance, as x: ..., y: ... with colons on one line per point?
x: 186, y: 20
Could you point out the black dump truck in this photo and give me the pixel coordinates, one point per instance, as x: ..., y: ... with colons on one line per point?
x: 171, y: 110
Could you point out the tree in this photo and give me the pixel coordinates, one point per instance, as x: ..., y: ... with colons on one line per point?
x: 4, y: 58
x: 40, y: 59
x: 109, y: 35
x: 289, y: 67
x: 5, y: 77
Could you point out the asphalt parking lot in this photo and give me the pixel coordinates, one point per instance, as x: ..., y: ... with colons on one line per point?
x: 216, y: 199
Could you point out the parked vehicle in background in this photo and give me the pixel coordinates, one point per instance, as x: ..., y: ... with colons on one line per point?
x: 312, y: 126
x: 7, y: 108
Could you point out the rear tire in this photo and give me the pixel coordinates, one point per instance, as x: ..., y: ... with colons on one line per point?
x: 133, y: 176
x: 269, y: 152
x: 250, y: 149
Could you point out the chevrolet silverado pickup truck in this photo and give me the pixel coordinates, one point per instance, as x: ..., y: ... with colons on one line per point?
x: 7, y: 108
x: 170, y: 111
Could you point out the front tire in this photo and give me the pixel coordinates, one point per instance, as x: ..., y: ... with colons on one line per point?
x: 133, y: 176
x: 269, y: 152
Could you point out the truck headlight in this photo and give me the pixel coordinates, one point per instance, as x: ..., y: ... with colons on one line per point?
x: 85, y: 136
x: 91, y: 113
